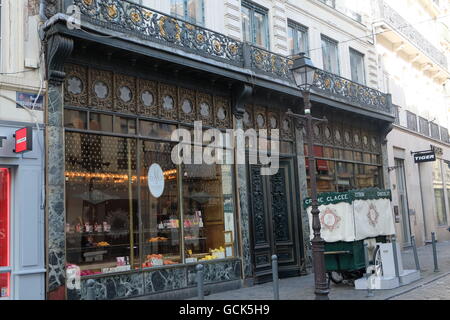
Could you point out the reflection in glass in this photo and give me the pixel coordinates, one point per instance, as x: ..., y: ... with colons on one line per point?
x: 100, y: 122
x: 75, y: 119
x: 156, y: 130
x: 160, y: 215
x: 101, y: 204
x: 125, y: 125
x: 208, y: 212
x: 344, y: 176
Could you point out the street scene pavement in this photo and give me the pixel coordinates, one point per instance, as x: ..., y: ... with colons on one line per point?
x: 432, y: 285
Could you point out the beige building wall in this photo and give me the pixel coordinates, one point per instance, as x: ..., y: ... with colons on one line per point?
x: 418, y: 84
x: 20, y: 58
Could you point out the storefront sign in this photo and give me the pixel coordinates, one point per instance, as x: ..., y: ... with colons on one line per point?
x: 428, y: 156
x: 156, y: 180
x: 30, y: 101
x: 24, y: 140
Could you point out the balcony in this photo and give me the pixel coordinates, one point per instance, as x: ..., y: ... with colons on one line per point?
x: 132, y: 22
x: 419, y: 47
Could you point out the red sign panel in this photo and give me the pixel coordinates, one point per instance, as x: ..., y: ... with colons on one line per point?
x: 24, y: 140
x: 4, y: 229
x: 322, y: 165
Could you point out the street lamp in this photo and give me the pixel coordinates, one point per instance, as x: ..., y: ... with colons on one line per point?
x: 303, y: 71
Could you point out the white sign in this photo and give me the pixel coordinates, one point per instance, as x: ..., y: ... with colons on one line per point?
x: 156, y: 180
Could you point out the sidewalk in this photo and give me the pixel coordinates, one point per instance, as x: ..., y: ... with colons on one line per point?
x: 302, y: 288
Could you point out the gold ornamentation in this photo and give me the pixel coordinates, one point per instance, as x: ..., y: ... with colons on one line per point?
x: 327, y: 83
x: 200, y: 38
x: 112, y: 11
x: 88, y: 3
x: 217, y: 46
x: 135, y: 17
x: 233, y: 48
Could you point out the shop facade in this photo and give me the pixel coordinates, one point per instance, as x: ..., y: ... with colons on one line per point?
x: 22, y: 234
x: 123, y: 214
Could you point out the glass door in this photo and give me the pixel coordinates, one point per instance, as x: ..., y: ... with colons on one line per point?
x: 403, y: 201
x: 5, y: 268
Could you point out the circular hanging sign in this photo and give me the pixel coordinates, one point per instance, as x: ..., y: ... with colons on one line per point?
x: 156, y: 180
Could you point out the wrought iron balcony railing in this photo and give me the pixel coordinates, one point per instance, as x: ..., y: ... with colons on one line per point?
x: 127, y: 17
x: 146, y: 23
x: 397, y: 22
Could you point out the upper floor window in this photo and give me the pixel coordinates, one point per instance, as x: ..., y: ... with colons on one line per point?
x: 255, y: 27
x: 297, y: 38
x: 192, y: 11
x: 330, y: 54
x: 357, y: 66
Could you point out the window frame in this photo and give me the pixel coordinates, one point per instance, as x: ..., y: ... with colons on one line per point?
x: 299, y: 28
x: 185, y: 17
x: 139, y: 137
x: 335, y: 44
x: 254, y: 8
x: 363, y: 59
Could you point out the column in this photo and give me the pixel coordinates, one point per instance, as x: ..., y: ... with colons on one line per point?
x: 58, y: 49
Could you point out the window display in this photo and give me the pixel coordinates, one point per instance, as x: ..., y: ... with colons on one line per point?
x: 208, y: 211
x: 4, y: 231
x: 128, y: 206
x: 101, y: 222
x: 159, y: 206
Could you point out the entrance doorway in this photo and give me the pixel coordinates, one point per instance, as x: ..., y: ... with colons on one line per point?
x: 275, y: 226
x: 403, y: 201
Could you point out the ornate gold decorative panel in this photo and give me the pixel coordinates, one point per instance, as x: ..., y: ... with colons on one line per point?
x: 205, y: 109
x: 168, y: 101
x: 187, y: 105
x: 147, y: 99
x: 125, y: 94
x: 101, y: 89
x: 76, y: 84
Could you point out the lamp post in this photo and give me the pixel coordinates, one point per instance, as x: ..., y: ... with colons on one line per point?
x: 303, y: 71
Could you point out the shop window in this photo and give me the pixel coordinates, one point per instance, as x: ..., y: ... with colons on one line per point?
x: 101, y: 203
x: 156, y: 130
x: 75, y: 119
x: 345, y: 176
x: 447, y: 178
x: 192, y: 11
x: 330, y: 54
x: 367, y: 176
x: 5, y: 181
x: 297, y: 38
x: 124, y: 125
x: 439, y: 194
x: 208, y: 212
x: 100, y: 122
x: 255, y: 25
x: 161, y: 221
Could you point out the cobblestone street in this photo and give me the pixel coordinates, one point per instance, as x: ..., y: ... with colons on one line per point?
x: 436, y: 290
x: 432, y: 286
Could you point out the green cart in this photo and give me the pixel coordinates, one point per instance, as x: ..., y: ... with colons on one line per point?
x: 346, y: 260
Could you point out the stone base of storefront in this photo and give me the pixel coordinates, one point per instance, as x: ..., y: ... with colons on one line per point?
x: 166, y: 283
x: 191, y: 293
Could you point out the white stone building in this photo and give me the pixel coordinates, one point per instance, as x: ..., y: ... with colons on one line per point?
x: 22, y: 234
